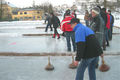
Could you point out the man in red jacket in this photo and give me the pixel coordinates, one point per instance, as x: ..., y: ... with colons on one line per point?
x: 69, y: 33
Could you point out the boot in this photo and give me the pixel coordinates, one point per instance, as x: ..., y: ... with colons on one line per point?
x: 58, y: 36
x: 107, y: 43
x: 53, y: 36
x: 104, y: 45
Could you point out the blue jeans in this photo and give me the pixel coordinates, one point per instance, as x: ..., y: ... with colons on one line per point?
x: 90, y: 63
x: 87, y: 23
x: 72, y: 36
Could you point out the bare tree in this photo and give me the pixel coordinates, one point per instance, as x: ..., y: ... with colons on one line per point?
x: 97, y: 1
x: 1, y: 2
x: 105, y: 3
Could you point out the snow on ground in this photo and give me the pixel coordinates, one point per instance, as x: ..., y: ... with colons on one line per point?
x: 10, y: 35
x: 22, y: 24
x: 116, y: 19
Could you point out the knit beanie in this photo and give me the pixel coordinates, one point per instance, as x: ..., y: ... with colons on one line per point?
x: 96, y: 10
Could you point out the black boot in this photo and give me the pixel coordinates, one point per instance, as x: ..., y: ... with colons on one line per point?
x: 107, y: 43
x: 58, y: 36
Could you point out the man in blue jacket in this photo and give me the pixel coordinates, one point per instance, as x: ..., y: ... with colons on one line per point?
x: 88, y: 49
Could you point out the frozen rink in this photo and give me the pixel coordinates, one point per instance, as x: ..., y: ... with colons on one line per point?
x: 33, y: 68
x: 12, y: 40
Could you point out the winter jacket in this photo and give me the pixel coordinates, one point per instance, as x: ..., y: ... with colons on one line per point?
x: 112, y: 19
x: 108, y: 21
x: 55, y: 21
x: 48, y: 18
x: 98, y: 26
x: 104, y: 16
x: 87, y: 44
x: 64, y: 26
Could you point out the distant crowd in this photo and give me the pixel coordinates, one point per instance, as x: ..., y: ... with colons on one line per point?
x: 102, y: 23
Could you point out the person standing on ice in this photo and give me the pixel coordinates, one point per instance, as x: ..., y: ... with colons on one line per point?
x: 104, y: 17
x: 97, y: 25
x: 111, y: 24
x: 107, y: 26
x: 88, y: 50
x: 69, y: 33
x: 56, y: 23
x: 48, y: 19
x: 67, y: 11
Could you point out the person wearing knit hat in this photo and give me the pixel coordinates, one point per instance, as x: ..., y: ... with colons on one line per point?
x: 97, y: 25
x: 96, y: 10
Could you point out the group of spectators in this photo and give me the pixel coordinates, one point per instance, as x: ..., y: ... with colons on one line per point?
x: 101, y: 23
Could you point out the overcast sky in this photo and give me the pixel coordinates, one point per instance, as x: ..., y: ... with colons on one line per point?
x: 26, y: 3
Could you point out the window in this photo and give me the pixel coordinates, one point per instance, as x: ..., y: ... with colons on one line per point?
x: 16, y: 18
x: 25, y: 17
x: 30, y: 17
x: 25, y: 12
x: 20, y: 13
x: 21, y: 18
x: 38, y: 12
x: 38, y: 16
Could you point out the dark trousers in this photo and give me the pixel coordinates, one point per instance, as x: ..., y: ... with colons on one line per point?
x: 110, y: 32
x: 47, y: 27
x: 104, y: 42
x: 55, y: 31
x: 106, y: 36
x: 87, y: 23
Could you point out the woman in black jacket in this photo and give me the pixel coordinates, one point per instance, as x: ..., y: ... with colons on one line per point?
x: 56, y: 23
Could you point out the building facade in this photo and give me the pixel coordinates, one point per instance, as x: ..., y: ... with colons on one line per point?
x: 28, y: 14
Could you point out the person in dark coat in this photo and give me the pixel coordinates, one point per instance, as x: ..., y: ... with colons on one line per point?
x: 104, y: 17
x: 48, y: 19
x: 56, y: 23
x: 88, y: 50
x: 111, y: 24
x: 106, y: 26
x: 97, y: 25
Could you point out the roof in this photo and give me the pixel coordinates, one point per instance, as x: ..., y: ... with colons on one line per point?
x: 9, y: 4
x: 29, y: 9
